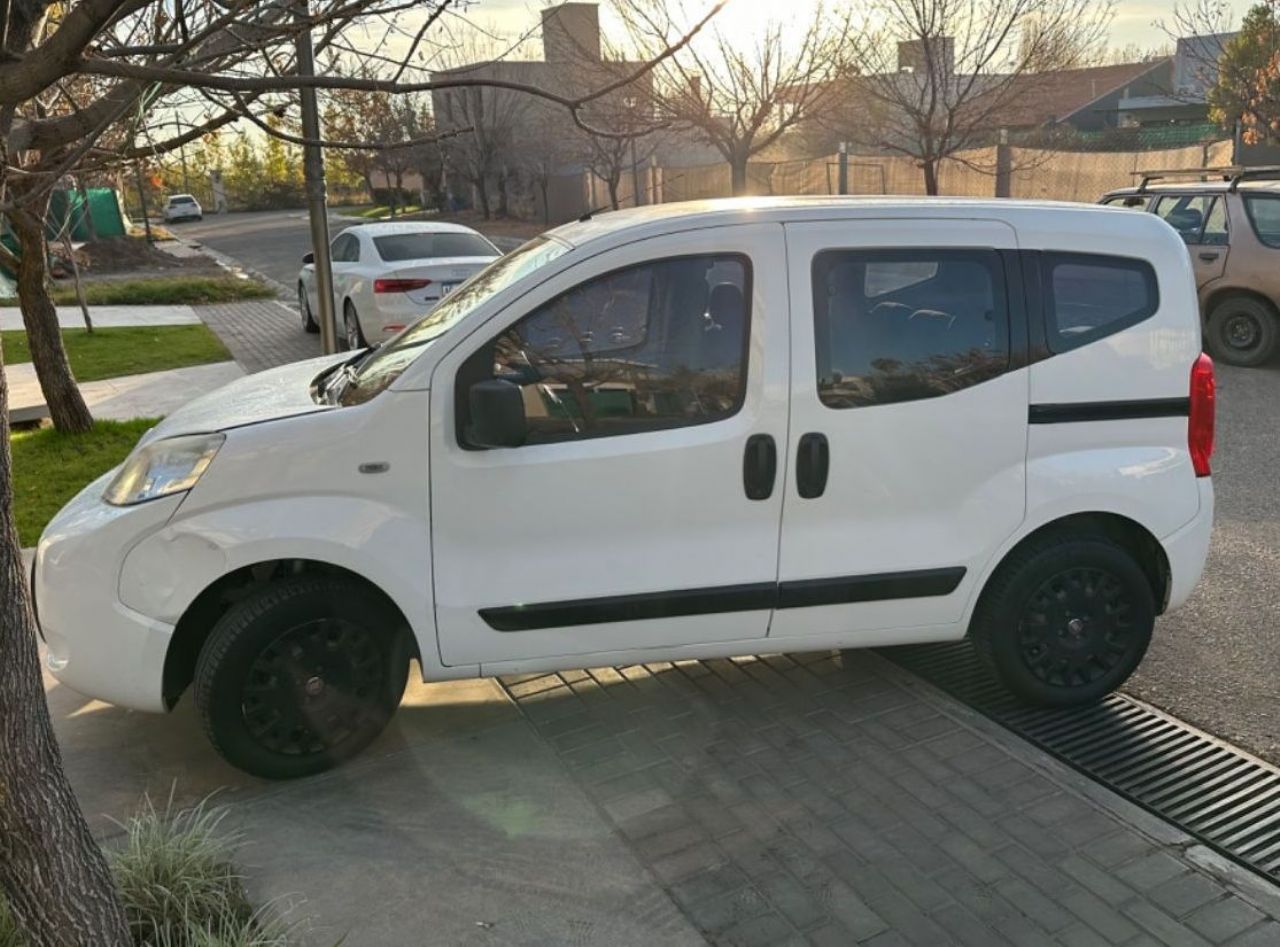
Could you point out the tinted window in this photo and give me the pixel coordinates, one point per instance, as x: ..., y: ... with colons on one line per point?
x: 897, y: 325
x: 654, y: 346
x: 1264, y: 214
x: 1198, y: 218
x: 182, y: 199
x: 1088, y: 297
x: 1130, y: 201
x: 345, y: 249
x: 420, y: 246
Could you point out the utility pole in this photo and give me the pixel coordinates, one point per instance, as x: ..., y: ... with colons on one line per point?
x: 313, y: 173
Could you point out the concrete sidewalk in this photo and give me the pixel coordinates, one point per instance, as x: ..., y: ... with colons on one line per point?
x: 130, y: 396
x: 106, y: 317
x: 814, y: 799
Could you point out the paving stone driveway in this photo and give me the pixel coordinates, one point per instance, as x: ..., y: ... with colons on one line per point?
x: 811, y: 799
x: 260, y: 334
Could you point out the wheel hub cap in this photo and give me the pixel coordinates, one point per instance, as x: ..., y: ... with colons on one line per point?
x: 1242, y: 333
x: 1076, y: 626
x: 318, y: 684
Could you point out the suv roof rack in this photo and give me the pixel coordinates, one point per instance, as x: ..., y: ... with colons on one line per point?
x: 1233, y: 173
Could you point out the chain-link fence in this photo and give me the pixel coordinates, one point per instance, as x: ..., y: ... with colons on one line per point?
x: 1004, y: 170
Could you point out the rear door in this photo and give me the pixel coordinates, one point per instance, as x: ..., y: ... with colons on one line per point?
x: 1201, y: 221
x: 908, y: 424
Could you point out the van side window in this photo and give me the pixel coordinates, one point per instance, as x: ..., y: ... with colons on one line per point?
x: 658, y: 345
x: 1089, y: 296
x: 898, y: 325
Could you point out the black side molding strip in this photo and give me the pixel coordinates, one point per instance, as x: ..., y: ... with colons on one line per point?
x: 923, y: 583
x: 755, y: 596
x: 1072, y: 412
x: 752, y: 597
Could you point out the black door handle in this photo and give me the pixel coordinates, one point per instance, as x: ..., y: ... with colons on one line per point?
x: 759, y: 466
x: 1208, y: 257
x: 812, y: 462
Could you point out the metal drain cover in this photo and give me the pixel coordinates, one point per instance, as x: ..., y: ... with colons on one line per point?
x: 1213, y: 791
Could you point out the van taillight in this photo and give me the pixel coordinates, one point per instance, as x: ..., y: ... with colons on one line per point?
x: 1200, y: 424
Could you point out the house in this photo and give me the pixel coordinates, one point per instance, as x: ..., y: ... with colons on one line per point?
x: 1194, y: 70
x: 503, y: 129
x: 1086, y: 99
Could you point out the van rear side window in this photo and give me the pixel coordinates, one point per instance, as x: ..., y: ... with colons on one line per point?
x: 899, y: 325
x: 1089, y: 297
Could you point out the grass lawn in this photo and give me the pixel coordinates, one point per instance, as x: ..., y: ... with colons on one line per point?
x: 161, y: 291
x: 126, y: 350
x: 376, y: 211
x: 49, y: 467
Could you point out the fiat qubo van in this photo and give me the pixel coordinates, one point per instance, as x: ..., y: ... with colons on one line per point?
x: 675, y: 432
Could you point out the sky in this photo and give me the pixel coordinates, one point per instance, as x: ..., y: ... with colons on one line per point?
x: 1134, y: 21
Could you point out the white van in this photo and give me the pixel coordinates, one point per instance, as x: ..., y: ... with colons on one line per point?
x: 674, y: 432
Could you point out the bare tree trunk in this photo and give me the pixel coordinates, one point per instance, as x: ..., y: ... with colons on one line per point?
x: 40, y: 317
x: 75, y: 275
x: 52, y: 874
x: 504, y: 209
x: 612, y: 182
x: 544, y: 185
x: 738, y: 174
x: 930, y: 167
x: 91, y: 229
x: 482, y: 194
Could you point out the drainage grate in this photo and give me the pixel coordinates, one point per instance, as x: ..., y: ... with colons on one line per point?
x: 1213, y: 791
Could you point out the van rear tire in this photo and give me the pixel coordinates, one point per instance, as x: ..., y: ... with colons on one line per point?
x: 1242, y: 331
x: 301, y: 675
x: 1065, y: 620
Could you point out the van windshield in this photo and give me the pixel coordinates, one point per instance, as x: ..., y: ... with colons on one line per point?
x: 383, y: 365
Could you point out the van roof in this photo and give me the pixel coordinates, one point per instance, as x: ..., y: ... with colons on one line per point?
x: 741, y: 210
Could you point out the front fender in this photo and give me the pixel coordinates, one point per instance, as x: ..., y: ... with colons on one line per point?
x: 163, y: 574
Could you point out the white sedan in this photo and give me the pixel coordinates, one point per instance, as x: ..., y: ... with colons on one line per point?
x: 388, y: 275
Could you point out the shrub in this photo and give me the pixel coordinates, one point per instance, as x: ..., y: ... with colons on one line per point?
x: 179, y: 886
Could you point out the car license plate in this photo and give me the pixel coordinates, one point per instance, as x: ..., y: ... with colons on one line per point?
x: 447, y: 288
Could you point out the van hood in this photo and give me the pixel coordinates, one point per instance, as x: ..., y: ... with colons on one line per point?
x: 265, y: 396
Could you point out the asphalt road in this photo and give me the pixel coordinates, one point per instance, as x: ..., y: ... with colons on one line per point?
x: 271, y: 242
x: 1214, y: 663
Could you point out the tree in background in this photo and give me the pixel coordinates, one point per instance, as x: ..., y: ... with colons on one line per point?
x: 69, y: 75
x: 1248, y: 85
x: 740, y: 96
x: 940, y: 76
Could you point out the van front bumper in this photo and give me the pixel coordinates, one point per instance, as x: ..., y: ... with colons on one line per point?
x: 95, y: 644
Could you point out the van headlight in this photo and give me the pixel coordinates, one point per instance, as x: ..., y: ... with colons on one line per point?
x: 161, y: 468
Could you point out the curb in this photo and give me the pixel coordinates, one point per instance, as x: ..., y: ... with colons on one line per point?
x: 284, y: 293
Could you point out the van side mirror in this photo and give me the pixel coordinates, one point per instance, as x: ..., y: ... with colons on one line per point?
x: 497, y: 414
x: 308, y: 257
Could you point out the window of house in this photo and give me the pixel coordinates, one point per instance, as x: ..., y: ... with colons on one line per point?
x: 653, y: 346
x: 1088, y: 297
x: 898, y: 325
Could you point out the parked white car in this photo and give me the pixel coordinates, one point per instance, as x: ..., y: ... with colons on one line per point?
x: 389, y: 275
x: 673, y: 432
x: 182, y: 207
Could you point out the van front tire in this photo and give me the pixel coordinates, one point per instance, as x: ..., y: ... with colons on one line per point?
x: 1065, y: 620
x: 301, y: 675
